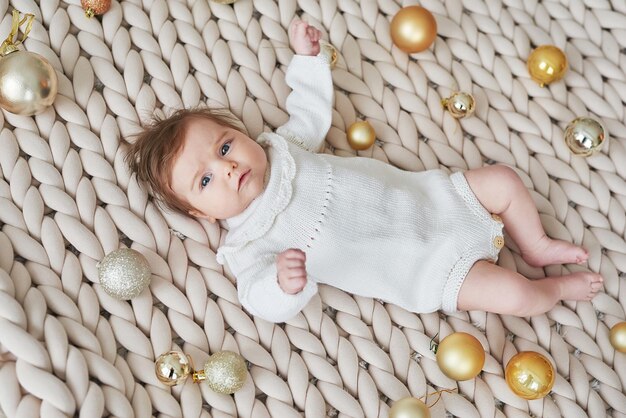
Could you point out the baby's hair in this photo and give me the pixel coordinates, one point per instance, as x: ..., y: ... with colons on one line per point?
x: 152, y: 152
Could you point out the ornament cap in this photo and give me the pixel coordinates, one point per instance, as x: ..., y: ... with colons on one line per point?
x: 89, y: 12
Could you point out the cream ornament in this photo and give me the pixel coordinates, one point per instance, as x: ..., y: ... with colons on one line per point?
x: 124, y: 273
x: 28, y: 83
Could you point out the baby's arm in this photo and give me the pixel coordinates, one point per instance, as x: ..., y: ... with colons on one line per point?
x: 262, y: 295
x: 310, y: 102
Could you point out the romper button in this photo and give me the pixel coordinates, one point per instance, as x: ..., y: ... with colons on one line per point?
x: 498, y: 242
x: 496, y: 218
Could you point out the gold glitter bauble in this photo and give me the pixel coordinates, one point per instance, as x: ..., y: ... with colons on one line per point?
x: 124, y: 273
x: 172, y: 368
x: 28, y: 83
x: 413, y: 29
x: 546, y: 64
x: 618, y: 337
x: 225, y: 372
x: 530, y: 375
x: 409, y: 408
x: 460, y: 356
x: 584, y: 136
x: 460, y: 105
x: 330, y: 52
x: 95, y: 7
x: 361, y: 135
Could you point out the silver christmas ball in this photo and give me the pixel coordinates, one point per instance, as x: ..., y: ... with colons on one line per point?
x: 124, y: 273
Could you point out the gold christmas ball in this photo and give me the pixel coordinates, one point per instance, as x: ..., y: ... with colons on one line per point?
x: 460, y: 105
x: 124, y: 273
x: 95, y: 7
x: 546, y: 64
x: 409, y: 408
x: 225, y: 372
x: 584, y: 136
x: 530, y: 375
x: 361, y: 135
x: 28, y: 83
x: 413, y: 29
x: 460, y: 356
x: 172, y: 368
x: 618, y: 337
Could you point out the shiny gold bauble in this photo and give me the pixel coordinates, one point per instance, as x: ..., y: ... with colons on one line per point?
x: 584, y: 136
x: 618, y: 337
x: 95, y: 7
x: 530, y: 375
x: 460, y: 356
x: 460, y: 105
x: 409, y: 408
x: 413, y: 29
x: 225, y: 372
x: 172, y: 368
x: 28, y: 83
x: 361, y: 135
x: 546, y: 64
x: 124, y: 273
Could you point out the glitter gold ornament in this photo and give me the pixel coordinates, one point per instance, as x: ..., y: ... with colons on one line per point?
x: 546, y: 64
x: 172, y: 368
x: 584, y: 136
x: 95, y: 7
x: 460, y: 105
x: 413, y: 29
x: 617, y: 337
x: 224, y: 372
x: 409, y: 408
x: 530, y: 375
x: 28, y: 83
x: 124, y: 273
x: 460, y: 356
x: 361, y: 135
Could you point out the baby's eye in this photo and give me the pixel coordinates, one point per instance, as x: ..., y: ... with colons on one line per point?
x: 225, y: 148
x: 204, y: 181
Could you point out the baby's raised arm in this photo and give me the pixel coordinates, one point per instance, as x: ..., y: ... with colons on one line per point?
x: 310, y: 102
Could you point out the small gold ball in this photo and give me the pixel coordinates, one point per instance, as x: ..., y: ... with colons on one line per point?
x: 409, y: 408
x: 460, y: 105
x: 530, y: 375
x: 225, y: 372
x: 172, y: 368
x: 361, y: 135
x: 584, y: 136
x: 618, y: 337
x: 546, y: 64
x: 460, y: 356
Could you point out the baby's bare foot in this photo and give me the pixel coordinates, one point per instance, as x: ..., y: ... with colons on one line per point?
x: 582, y: 285
x: 553, y: 251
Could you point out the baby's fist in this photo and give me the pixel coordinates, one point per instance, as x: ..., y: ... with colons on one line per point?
x: 304, y: 39
x: 291, y: 270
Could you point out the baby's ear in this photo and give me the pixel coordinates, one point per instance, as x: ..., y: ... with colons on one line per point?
x: 197, y: 214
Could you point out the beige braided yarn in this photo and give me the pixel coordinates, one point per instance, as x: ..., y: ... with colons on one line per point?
x: 67, y: 199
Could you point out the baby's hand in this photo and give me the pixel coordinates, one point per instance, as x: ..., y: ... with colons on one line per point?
x: 304, y: 39
x: 291, y: 270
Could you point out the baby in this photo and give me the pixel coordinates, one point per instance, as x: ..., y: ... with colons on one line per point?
x: 424, y: 241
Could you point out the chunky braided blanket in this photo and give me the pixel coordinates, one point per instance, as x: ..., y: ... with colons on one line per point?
x: 66, y: 200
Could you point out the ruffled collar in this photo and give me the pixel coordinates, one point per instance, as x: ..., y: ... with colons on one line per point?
x: 259, y: 216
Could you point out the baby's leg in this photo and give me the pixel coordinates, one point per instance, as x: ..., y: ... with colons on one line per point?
x: 491, y: 288
x: 500, y: 190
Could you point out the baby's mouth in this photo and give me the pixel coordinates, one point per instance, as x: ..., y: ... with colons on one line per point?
x: 243, y: 178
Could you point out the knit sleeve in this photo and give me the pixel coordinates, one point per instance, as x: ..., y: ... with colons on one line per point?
x: 260, y: 294
x: 310, y: 102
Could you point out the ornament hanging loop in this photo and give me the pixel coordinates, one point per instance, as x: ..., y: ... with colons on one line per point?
x: 9, y: 45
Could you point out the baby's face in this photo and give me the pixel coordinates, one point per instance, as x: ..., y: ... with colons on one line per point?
x: 219, y: 170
